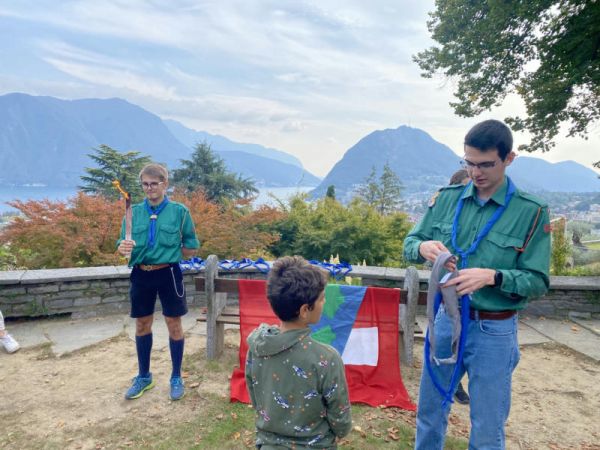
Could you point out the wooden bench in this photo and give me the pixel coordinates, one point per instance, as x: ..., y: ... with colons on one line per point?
x: 217, y: 314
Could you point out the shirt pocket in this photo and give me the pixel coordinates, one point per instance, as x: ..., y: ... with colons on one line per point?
x: 442, y: 231
x: 169, y: 236
x: 500, y: 251
x: 139, y: 234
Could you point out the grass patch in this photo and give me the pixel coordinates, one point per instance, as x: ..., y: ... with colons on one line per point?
x: 593, y: 246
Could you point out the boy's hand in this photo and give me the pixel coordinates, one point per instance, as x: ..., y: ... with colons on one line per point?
x: 126, y: 246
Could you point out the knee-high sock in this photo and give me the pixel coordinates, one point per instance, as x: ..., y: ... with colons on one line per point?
x: 176, y: 356
x: 143, y: 345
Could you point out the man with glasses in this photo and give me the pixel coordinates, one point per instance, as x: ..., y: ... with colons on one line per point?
x: 501, y: 237
x: 163, y: 234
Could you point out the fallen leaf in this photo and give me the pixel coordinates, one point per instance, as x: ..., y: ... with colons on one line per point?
x: 236, y: 435
x: 194, y: 385
x: 219, y: 416
x: 574, y: 328
x: 360, y: 431
x: 393, y: 436
x: 185, y: 374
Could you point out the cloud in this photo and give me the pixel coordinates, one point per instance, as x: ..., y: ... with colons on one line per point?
x: 311, y: 77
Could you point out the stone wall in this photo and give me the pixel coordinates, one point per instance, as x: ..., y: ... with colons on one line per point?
x: 84, y: 292
x: 96, y: 291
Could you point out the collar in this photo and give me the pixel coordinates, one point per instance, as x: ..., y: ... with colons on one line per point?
x: 159, y: 206
x: 498, y: 197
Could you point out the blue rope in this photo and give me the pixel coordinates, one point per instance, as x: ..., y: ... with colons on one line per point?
x: 447, y: 394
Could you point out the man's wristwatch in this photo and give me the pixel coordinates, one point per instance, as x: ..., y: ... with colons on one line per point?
x: 498, y: 279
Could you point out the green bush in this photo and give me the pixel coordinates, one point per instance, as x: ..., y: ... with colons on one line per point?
x: 356, y: 232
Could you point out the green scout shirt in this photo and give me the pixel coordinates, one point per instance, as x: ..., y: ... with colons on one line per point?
x: 518, y: 245
x: 174, y: 229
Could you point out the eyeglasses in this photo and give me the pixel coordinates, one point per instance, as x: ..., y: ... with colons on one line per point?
x: 486, y: 165
x: 152, y: 185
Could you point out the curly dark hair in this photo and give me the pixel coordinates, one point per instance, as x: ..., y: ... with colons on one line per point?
x: 293, y: 282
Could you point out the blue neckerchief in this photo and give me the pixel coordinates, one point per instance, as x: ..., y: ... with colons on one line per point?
x: 465, y: 299
x: 464, y: 255
x: 153, y: 216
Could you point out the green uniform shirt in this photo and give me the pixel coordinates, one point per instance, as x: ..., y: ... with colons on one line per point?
x: 518, y: 245
x: 174, y: 229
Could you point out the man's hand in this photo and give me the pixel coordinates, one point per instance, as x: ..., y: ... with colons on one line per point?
x: 471, y: 280
x: 126, y: 246
x: 430, y: 250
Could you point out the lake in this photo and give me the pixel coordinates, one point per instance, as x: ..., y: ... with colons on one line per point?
x: 10, y: 193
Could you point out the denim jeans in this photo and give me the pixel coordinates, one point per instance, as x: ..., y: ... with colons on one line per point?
x: 490, y: 356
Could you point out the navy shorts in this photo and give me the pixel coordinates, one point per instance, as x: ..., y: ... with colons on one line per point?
x: 166, y: 282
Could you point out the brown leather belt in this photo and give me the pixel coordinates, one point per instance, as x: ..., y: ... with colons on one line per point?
x: 150, y: 267
x: 477, y: 314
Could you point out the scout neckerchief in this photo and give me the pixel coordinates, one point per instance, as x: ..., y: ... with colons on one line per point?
x: 153, y: 216
x: 465, y: 299
x: 464, y: 255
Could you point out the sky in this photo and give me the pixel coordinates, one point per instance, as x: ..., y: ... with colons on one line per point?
x: 307, y: 77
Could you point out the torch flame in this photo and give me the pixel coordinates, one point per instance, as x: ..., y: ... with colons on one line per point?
x: 118, y: 186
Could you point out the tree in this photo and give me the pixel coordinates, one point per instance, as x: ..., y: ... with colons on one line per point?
x: 368, y: 191
x: 330, y: 191
x: 546, y: 51
x: 356, y: 232
x: 80, y: 233
x: 234, y: 230
x: 560, y: 248
x: 390, y: 197
x: 83, y: 231
x: 385, y: 193
x: 113, y: 165
x: 207, y: 171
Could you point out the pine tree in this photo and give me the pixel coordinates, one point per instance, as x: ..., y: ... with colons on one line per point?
x: 113, y: 165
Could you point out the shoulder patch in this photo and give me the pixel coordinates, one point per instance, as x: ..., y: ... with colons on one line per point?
x: 433, y: 199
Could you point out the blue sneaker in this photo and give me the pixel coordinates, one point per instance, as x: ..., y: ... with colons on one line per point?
x: 177, y: 389
x: 139, y: 385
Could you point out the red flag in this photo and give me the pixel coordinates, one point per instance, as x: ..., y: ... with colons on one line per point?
x: 375, y: 385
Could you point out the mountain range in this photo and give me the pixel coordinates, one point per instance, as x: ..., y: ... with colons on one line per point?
x: 423, y: 165
x: 45, y: 140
